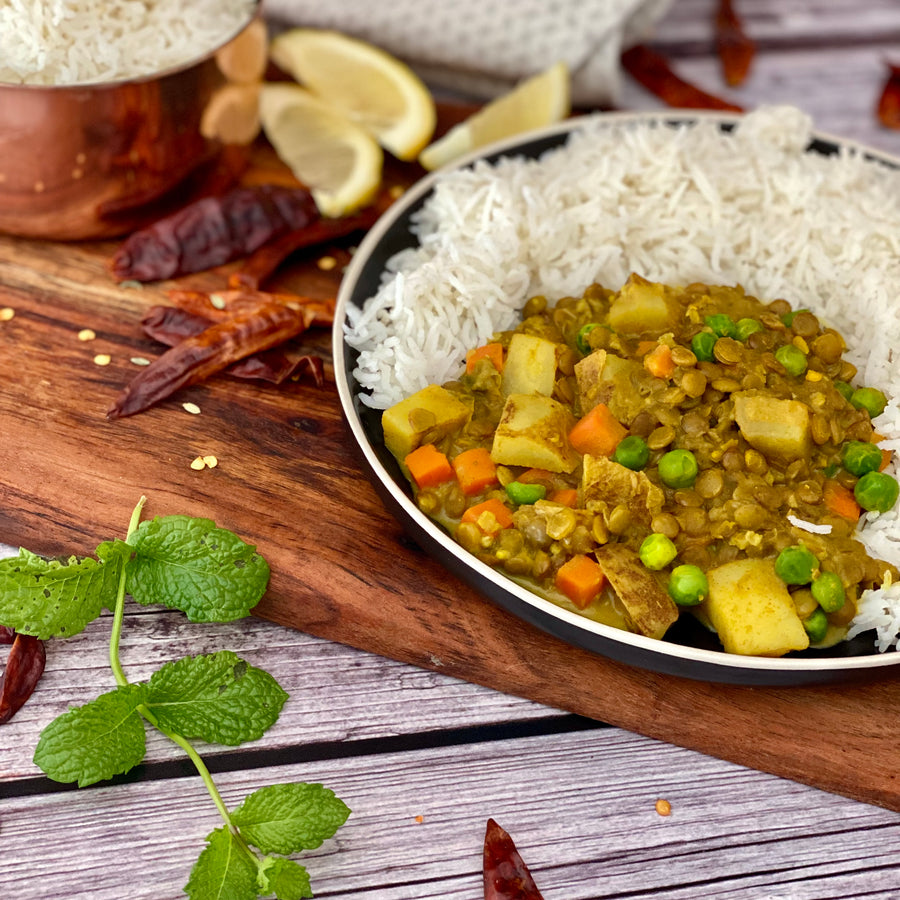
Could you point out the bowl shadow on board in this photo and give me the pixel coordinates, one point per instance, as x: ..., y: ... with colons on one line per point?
x: 395, y: 492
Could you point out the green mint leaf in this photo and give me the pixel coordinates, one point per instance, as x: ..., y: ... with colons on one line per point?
x: 50, y: 598
x: 217, y: 697
x: 225, y: 870
x: 288, y: 818
x: 190, y: 564
x: 284, y: 878
x: 96, y: 741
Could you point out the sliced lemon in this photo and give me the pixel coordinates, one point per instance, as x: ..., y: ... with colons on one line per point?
x: 540, y: 100
x: 340, y: 162
x: 373, y: 88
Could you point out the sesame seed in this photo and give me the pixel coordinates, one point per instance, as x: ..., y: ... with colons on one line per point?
x: 140, y: 361
x: 326, y: 263
x: 87, y: 334
x: 197, y: 463
x: 39, y: 187
x: 77, y: 173
x: 192, y: 408
x: 102, y: 359
x: 396, y: 190
x: 217, y: 300
x: 6, y: 313
x: 80, y: 158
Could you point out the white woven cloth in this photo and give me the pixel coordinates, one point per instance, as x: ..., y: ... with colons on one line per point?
x: 483, y: 47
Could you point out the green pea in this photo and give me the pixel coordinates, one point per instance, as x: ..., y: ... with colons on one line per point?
x: 871, y: 400
x: 746, y: 327
x: 860, y: 457
x: 702, y: 345
x: 876, y: 491
x: 792, y: 358
x: 722, y: 325
x: 828, y: 591
x: 581, y: 338
x: 816, y: 625
x: 788, y: 317
x: 688, y: 586
x: 796, y: 565
x: 525, y: 493
x: 632, y: 452
x: 844, y: 389
x: 678, y: 469
x: 657, y: 551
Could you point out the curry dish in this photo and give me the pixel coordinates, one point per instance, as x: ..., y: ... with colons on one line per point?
x: 641, y: 454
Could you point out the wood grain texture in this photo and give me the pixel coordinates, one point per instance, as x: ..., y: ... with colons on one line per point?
x: 337, y: 693
x: 583, y: 818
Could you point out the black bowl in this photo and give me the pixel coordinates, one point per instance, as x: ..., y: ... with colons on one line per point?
x: 689, y: 650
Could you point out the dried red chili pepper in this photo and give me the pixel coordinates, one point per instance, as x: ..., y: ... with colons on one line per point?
x: 506, y: 877
x: 267, y: 324
x: 889, y: 102
x: 261, y: 265
x: 24, y: 667
x: 170, y: 325
x: 228, y: 303
x: 736, y: 49
x: 653, y: 71
x: 213, y: 231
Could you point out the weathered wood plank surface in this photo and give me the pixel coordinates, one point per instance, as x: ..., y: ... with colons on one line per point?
x: 583, y: 817
x: 337, y: 693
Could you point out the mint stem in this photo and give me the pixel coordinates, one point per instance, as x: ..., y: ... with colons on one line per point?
x: 119, y: 612
x: 119, y: 673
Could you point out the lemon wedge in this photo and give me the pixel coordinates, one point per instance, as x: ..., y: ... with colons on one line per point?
x: 540, y: 100
x: 371, y: 87
x: 339, y: 161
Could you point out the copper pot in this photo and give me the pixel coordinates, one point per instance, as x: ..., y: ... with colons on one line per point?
x: 87, y: 161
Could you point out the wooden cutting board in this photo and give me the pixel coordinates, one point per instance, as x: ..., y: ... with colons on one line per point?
x: 289, y: 481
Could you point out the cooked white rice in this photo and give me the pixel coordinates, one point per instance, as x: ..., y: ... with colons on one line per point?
x: 84, y: 41
x: 675, y: 204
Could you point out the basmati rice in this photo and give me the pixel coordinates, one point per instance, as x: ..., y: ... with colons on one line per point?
x: 61, y: 42
x: 675, y: 204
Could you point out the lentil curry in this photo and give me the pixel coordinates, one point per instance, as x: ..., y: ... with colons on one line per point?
x: 640, y: 454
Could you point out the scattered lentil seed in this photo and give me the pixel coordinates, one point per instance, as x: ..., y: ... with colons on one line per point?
x: 102, y: 359
x: 419, y: 820
x: 6, y: 313
x: 663, y: 807
x: 87, y: 334
x: 326, y: 263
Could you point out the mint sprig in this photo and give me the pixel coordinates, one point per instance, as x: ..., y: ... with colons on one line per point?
x: 211, y: 575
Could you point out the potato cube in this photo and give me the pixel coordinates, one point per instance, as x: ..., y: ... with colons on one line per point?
x: 640, y: 308
x: 752, y: 611
x: 530, y: 366
x: 606, y: 378
x: 606, y: 484
x: 425, y: 417
x: 649, y: 610
x: 534, y: 432
x: 777, y: 428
